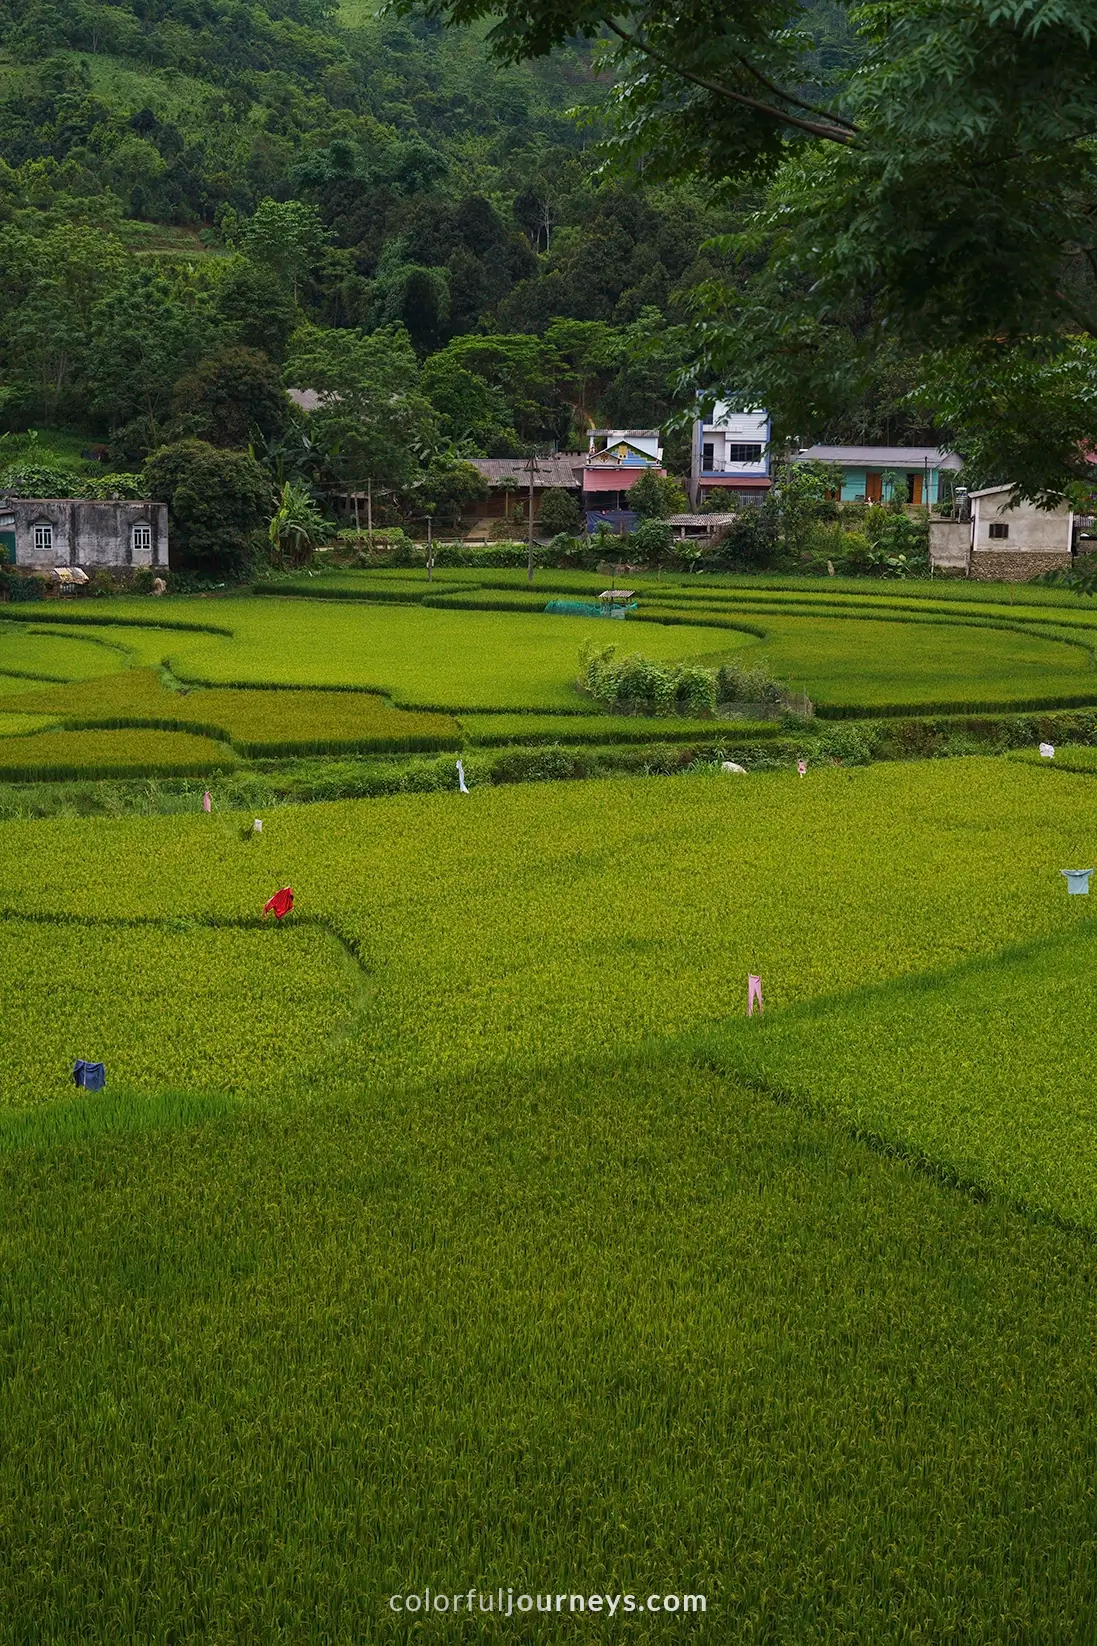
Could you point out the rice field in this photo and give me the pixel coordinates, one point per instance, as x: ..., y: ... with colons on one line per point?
x: 258, y: 723
x: 461, y: 1231
x: 889, y: 651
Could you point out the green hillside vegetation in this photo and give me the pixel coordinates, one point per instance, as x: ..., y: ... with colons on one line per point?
x: 382, y: 174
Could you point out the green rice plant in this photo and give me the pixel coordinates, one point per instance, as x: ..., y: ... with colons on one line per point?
x: 982, y: 1068
x: 468, y: 1185
x: 608, y: 1327
x: 421, y: 658
x: 158, y: 1005
x: 258, y: 723
x: 29, y: 655
x: 674, y: 888
x: 15, y: 725
x: 52, y: 755
x: 855, y: 657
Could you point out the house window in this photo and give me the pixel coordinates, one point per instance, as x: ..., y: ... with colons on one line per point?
x: 998, y: 529
x: 141, y: 540
x: 43, y: 538
x: 744, y: 454
x: 708, y: 456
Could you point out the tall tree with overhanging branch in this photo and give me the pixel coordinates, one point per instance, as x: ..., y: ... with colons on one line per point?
x: 373, y: 417
x: 940, y: 203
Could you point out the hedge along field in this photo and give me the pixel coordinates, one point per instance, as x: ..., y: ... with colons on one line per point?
x: 161, y: 1006
x: 51, y: 755
x: 531, y: 924
x: 497, y: 730
x: 595, y: 1329
x: 257, y: 722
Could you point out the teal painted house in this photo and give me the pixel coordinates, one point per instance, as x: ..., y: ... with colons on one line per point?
x: 881, y: 474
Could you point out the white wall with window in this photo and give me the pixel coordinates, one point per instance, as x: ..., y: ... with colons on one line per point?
x: 733, y: 443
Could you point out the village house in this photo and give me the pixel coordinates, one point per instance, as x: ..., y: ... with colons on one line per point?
x: 600, y: 480
x: 994, y: 538
x: 616, y: 458
x: 730, y: 456
x: 699, y: 528
x: 883, y: 474
x: 43, y: 533
x: 509, y: 479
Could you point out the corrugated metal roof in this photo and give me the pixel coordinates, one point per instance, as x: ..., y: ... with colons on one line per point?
x: 713, y: 519
x: 564, y: 469
x: 602, y: 479
x: 881, y: 457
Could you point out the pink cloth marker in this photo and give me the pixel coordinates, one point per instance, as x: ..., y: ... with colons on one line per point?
x: 754, y: 994
x: 207, y: 803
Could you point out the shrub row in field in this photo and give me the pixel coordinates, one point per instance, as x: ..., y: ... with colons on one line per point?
x: 497, y: 729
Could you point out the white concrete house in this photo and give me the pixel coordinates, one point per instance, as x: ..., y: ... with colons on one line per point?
x: 730, y: 456
x: 1015, y: 541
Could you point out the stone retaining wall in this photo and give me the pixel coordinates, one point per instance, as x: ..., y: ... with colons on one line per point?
x: 991, y: 564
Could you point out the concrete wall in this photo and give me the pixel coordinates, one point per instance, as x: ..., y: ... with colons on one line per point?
x: 85, y: 533
x: 1029, y: 530
x: 949, y: 544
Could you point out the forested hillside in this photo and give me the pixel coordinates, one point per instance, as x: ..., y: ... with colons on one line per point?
x: 180, y: 180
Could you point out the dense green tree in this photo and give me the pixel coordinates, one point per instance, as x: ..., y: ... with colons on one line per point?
x: 230, y: 397
x: 656, y: 496
x: 51, y: 287
x: 286, y: 237
x: 254, y: 308
x: 449, y: 485
x: 560, y: 512
x: 470, y: 411
x: 142, y: 336
x: 216, y: 499
x: 374, y: 419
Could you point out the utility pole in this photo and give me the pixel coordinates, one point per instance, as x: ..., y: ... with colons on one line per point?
x: 430, y: 544
x: 531, y: 470
x: 369, y: 510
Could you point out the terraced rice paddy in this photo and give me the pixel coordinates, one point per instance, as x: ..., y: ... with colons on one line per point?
x: 461, y: 1231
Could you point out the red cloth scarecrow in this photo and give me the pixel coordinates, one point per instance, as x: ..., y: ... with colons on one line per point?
x: 281, y: 903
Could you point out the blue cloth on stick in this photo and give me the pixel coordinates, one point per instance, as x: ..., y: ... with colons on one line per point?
x: 92, y: 1076
x: 1077, y: 881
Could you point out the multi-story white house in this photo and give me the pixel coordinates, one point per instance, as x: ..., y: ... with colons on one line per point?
x: 730, y: 455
